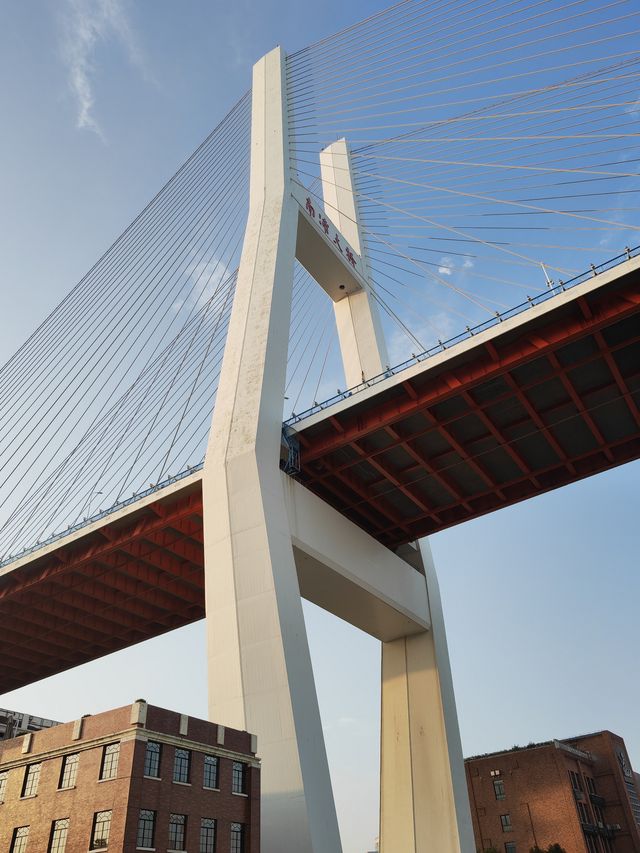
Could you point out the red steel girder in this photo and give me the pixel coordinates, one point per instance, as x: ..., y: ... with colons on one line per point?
x: 145, y: 598
x: 67, y: 557
x: 355, y: 424
x: 445, y: 481
x: 311, y: 477
x: 624, y: 450
x: 392, y: 477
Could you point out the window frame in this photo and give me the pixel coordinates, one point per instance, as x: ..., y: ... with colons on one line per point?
x: 499, y: 784
x: 94, y: 845
x: 153, y: 819
x: 155, y: 762
x: 4, y: 779
x: 29, y: 787
x: 234, y: 847
x: 510, y: 847
x: 15, y: 837
x: 505, y: 821
x: 576, y: 781
x: 178, y: 766
x: 206, y: 824
x: 110, y: 761
x: 60, y: 842
x: 72, y: 775
x: 175, y: 842
x: 583, y: 812
x: 209, y: 761
x: 239, y: 767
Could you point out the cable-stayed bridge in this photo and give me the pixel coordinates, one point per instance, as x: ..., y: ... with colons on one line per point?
x: 426, y: 221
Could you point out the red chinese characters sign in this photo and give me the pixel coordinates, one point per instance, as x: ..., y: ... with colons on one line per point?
x: 330, y: 231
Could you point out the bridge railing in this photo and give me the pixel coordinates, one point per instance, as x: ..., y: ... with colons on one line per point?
x: 552, y: 290
x: 103, y: 513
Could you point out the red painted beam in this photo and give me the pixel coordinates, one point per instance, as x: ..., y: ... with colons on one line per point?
x: 355, y: 425
x: 115, y: 538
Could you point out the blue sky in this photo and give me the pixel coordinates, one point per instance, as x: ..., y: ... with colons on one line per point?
x: 100, y: 102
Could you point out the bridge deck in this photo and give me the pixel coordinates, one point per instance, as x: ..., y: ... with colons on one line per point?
x: 134, y: 575
x: 544, y: 399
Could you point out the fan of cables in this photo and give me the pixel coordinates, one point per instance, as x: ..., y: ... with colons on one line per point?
x: 494, y: 151
x: 113, y: 393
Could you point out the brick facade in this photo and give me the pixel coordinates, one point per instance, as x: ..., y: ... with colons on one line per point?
x: 573, y: 793
x: 129, y: 790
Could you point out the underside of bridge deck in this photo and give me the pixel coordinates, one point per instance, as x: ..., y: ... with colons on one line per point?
x: 129, y: 580
x: 516, y: 414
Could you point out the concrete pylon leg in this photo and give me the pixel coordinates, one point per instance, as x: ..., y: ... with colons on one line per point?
x: 260, y: 675
x: 364, y: 353
x: 424, y: 806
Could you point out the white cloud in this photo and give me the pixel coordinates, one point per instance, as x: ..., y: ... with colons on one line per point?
x: 87, y: 23
x: 446, y: 266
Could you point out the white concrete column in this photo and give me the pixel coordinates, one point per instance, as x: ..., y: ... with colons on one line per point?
x: 362, y: 345
x: 260, y: 675
x: 424, y: 805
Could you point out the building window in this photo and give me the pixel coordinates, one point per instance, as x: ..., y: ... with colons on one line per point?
x: 494, y: 773
x: 182, y: 765
x: 69, y: 771
x: 152, y: 759
x: 510, y: 847
x: 101, y: 827
x: 505, y: 820
x: 59, y: 829
x: 592, y: 844
x: 110, y: 754
x: 583, y: 811
x: 597, y: 811
x: 239, y: 778
x: 210, y: 771
x: 591, y: 785
x: 576, y: 781
x: 237, y: 838
x: 3, y: 784
x: 146, y: 828
x: 498, y: 789
x: 207, y: 835
x: 177, y: 831
x: 19, y: 839
x: 607, y: 846
x: 31, y: 777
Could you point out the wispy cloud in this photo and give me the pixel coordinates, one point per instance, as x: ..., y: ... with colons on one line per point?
x: 446, y: 266
x: 86, y: 25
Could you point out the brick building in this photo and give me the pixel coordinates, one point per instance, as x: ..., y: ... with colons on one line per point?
x: 580, y: 793
x: 134, y: 778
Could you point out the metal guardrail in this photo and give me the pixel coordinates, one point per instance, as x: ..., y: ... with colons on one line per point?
x: 499, y: 317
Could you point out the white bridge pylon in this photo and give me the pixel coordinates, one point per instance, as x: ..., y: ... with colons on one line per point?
x: 269, y: 542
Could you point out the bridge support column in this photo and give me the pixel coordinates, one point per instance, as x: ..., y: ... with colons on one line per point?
x: 364, y: 353
x: 260, y: 675
x: 424, y: 805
